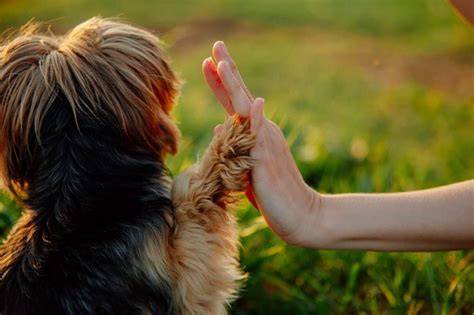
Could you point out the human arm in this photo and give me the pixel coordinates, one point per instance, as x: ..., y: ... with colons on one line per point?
x: 434, y: 219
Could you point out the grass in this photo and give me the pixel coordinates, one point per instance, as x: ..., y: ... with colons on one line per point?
x: 373, y: 96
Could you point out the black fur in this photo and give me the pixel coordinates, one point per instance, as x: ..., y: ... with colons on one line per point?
x: 94, y: 198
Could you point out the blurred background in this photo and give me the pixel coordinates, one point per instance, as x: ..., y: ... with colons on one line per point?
x: 373, y: 96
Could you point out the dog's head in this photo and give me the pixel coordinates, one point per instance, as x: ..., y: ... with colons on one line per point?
x: 104, y: 70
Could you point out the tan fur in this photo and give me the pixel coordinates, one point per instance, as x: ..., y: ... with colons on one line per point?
x: 18, y: 237
x: 204, y: 249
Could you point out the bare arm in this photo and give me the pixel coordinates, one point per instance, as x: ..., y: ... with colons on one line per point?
x: 427, y: 220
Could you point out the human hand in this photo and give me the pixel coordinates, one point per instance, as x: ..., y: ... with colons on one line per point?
x: 277, y: 188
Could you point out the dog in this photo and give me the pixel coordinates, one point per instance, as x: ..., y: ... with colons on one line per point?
x: 85, y: 129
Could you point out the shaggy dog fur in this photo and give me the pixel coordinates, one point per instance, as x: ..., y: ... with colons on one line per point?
x: 85, y: 130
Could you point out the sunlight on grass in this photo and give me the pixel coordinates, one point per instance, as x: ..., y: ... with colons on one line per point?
x: 372, y: 96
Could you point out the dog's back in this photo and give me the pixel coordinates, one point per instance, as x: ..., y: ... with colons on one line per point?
x: 85, y: 129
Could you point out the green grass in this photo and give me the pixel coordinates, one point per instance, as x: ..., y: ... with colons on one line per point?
x: 373, y: 96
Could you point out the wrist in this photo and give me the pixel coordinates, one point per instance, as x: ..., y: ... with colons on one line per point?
x: 308, y: 233
x: 316, y: 231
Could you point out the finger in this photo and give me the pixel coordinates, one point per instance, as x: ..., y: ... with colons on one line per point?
x: 209, y: 71
x: 220, y: 53
x: 238, y: 98
x: 218, y: 129
x: 256, y: 114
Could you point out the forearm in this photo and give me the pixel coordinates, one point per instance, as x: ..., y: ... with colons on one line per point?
x: 433, y: 219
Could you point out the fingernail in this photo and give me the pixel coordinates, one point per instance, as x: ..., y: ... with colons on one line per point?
x: 219, y: 42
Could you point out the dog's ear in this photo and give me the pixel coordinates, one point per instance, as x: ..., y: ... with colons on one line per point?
x: 25, y: 97
x: 129, y: 66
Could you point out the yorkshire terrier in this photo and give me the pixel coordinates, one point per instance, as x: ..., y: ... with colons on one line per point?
x: 85, y: 129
